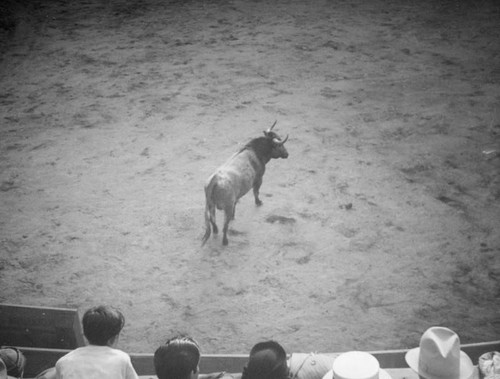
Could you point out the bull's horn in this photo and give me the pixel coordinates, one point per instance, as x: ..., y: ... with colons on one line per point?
x: 271, y: 128
x: 280, y: 142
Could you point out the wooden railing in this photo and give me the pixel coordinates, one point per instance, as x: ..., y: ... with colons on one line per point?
x: 45, y: 334
x: 40, y: 359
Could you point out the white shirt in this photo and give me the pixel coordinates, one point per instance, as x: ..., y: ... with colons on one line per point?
x: 95, y: 362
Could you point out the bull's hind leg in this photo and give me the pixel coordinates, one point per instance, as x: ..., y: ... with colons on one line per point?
x: 212, y: 220
x: 234, y: 211
x: 228, y: 216
x: 224, y: 229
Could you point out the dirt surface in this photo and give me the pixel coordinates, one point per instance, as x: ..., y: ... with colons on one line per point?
x: 383, y: 221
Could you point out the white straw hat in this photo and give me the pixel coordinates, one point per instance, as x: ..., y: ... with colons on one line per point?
x: 356, y: 365
x: 439, y: 356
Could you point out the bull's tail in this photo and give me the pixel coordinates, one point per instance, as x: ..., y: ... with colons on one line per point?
x: 209, y: 210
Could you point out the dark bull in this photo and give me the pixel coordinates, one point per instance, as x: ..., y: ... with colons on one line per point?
x: 244, y: 170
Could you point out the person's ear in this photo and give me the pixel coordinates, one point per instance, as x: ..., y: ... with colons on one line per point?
x: 195, y: 373
x: 113, y: 341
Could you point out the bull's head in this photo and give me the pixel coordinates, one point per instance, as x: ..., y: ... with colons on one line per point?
x: 279, y: 150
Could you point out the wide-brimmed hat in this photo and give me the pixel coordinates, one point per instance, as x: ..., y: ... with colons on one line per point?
x: 439, y: 356
x: 3, y: 369
x: 267, y: 361
x: 356, y: 365
x: 14, y: 361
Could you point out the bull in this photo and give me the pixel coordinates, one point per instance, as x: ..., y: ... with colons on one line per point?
x: 232, y: 180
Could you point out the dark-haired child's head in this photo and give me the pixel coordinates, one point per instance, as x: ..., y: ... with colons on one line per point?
x: 102, y: 324
x: 177, y: 359
x: 267, y: 361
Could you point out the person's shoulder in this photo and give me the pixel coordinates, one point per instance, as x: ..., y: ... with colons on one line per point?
x: 118, y: 353
x: 71, y: 354
x: 220, y: 375
x: 66, y: 359
x: 82, y: 352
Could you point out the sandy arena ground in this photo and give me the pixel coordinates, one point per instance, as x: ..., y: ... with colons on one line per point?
x: 383, y: 221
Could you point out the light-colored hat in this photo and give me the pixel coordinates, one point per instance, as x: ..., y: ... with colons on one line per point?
x: 356, y: 365
x: 489, y: 365
x: 3, y: 369
x: 14, y: 360
x: 439, y: 356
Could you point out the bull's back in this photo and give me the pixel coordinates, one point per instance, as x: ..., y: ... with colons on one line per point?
x: 235, y: 178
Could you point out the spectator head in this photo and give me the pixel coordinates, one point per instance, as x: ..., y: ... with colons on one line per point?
x: 267, y: 361
x: 439, y: 356
x: 177, y: 359
x: 13, y: 360
x: 102, y: 325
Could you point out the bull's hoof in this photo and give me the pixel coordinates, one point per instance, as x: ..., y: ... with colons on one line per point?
x: 224, y: 241
x: 215, y: 229
x: 258, y: 203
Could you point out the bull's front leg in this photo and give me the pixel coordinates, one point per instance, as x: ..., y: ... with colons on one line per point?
x: 256, y: 187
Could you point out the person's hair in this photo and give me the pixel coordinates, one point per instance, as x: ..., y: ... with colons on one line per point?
x: 177, y: 358
x: 102, y: 323
x: 267, y: 361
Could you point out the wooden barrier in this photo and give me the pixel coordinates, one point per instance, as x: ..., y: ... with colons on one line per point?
x: 45, y: 334
x: 393, y: 360
x: 42, y: 333
x: 43, y: 327
x: 388, y: 359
